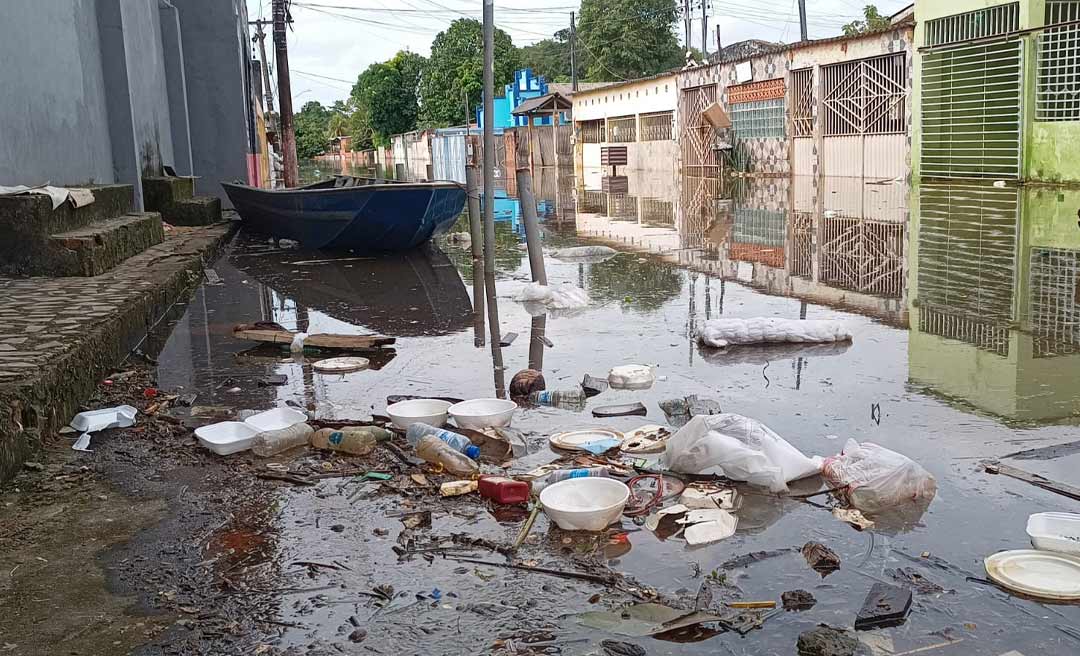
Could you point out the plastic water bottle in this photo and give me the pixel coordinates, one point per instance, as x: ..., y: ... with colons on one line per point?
x: 437, y: 452
x: 268, y: 443
x: 583, y: 472
x: 354, y: 440
x: 573, y: 399
x: 459, y: 443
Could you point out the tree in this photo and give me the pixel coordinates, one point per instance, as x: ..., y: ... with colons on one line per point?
x: 386, y: 93
x: 551, y: 57
x: 454, y: 73
x: 872, y: 22
x: 311, y: 129
x: 627, y: 39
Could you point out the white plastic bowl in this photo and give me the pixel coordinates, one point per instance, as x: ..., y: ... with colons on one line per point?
x: 275, y: 419
x: 483, y: 413
x: 584, y: 504
x: 1055, y: 531
x: 423, y: 411
x: 226, y: 437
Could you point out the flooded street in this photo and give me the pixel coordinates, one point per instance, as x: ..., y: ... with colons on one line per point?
x: 964, y: 304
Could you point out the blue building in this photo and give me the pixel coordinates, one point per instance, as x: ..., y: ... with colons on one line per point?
x: 525, y: 86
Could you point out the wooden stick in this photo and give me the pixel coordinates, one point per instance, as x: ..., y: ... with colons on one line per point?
x: 594, y: 578
x: 1064, y: 489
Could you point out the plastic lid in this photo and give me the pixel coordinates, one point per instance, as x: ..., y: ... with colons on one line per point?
x: 472, y: 451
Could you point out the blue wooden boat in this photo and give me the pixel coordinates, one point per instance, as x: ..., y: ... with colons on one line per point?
x: 365, y: 215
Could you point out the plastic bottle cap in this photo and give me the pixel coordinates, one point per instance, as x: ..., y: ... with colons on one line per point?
x: 472, y: 451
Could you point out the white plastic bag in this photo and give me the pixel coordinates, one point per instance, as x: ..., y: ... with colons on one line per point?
x: 719, y: 333
x: 876, y: 479
x: 563, y: 297
x: 740, y: 448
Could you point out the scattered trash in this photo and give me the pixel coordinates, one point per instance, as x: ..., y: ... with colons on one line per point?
x: 617, y: 648
x: 272, y: 333
x: 398, y: 398
x: 649, y: 438
x: 622, y: 410
x: 421, y: 519
x: 186, y: 400
x: 915, y: 580
x: 345, y: 365
x: 418, y: 431
x: 572, y: 400
x: 526, y: 382
x: 504, y: 490
x: 1042, y: 574
x: 827, y: 641
x: 432, y: 412
x: 353, y: 440
x: 853, y: 517
x: 739, y: 448
x: 593, y: 386
x: 821, y: 559
x: 297, y: 343
x: 459, y: 239
x: 752, y: 604
x: 273, y: 380
x: 584, y: 503
x: 430, y: 447
x: 709, y: 495
x: 681, y: 410
x: 711, y: 526
x: 582, y: 472
x: 876, y: 479
x: 885, y: 605
x: 631, y: 376
x: 719, y: 333
x: 1000, y: 184
x: 507, y: 339
x: 593, y: 253
x: 1055, y: 531
x: 640, y: 620
x: 288, y: 244
x: 483, y: 413
x: 457, y: 488
x: 82, y: 443
x: 92, y: 421
x: 226, y: 437
x: 275, y: 419
x: 563, y: 297
x: 273, y: 442
x: 593, y: 440
x: 796, y: 600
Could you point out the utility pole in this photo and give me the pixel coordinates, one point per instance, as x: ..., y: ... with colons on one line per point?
x: 268, y: 91
x: 802, y: 19
x: 288, y: 135
x: 719, y: 45
x: 704, y: 32
x: 489, y: 196
x: 686, y: 22
x: 573, y: 54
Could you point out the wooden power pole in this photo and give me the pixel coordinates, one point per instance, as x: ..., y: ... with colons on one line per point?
x: 288, y: 134
x: 268, y: 92
x: 573, y: 54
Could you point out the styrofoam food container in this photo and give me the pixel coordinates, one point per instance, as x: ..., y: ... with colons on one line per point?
x: 1043, y: 574
x: 226, y: 437
x: 1055, y: 531
x: 631, y: 377
x: 584, y: 504
x: 483, y: 413
x: 93, y: 421
x: 275, y: 419
x: 425, y: 411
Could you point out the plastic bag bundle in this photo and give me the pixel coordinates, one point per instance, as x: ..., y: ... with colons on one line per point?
x: 877, y: 479
x: 598, y: 253
x: 563, y: 297
x: 723, y: 332
x: 740, y: 448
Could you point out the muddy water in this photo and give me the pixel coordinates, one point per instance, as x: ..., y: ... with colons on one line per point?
x: 964, y: 306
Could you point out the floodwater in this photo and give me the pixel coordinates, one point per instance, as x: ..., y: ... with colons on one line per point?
x: 964, y: 302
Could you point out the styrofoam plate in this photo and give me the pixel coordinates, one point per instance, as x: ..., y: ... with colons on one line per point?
x: 275, y: 419
x: 226, y: 437
x: 1044, y: 574
x: 575, y: 440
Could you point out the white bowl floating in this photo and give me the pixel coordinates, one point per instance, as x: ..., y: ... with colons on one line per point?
x: 424, y: 411
x: 1055, y: 531
x: 584, y: 504
x: 483, y: 413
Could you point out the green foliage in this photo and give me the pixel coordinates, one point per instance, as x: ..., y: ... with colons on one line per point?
x: 311, y: 129
x: 872, y: 22
x: 387, y: 92
x: 627, y: 39
x: 455, y: 71
x: 551, y: 58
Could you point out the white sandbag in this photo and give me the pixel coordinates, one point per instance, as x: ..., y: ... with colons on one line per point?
x: 579, y: 252
x: 563, y: 297
x: 877, y: 479
x: 631, y: 376
x: 723, y: 332
x: 740, y: 448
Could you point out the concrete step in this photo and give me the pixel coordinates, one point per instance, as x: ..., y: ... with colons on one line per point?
x: 160, y: 193
x: 197, y: 211
x: 94, y: 249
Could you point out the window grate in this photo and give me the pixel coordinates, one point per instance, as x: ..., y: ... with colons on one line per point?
x: 971, y: 111
x: 657, y: 126
x: 992, y: 21
x: 622, y: 129
x: 802, y: 101
x: 1058, y: 82
x: 758, y: 119
x: 865, y: 96
x: 1055, y: 301
x: 592, y: 131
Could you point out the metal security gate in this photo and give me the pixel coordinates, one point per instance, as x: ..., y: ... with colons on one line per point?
x: 864, y: 256
x: 971, y: 101
x: 697, y: 134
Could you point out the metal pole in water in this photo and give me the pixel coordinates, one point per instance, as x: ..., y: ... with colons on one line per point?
x: 476, y: 231
x: 532, y: 226
x: 489, y: 196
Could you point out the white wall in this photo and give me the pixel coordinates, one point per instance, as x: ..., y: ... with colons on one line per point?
x: 639, y: 97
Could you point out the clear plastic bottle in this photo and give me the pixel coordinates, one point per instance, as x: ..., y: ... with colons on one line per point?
x: 354, y: 440
x: 458, y: 442
x: 565, y: 474
x: 438, y: 452
x: 268, y: 443
x: 573, y: 399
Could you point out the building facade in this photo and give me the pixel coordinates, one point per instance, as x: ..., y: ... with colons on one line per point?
x: 111, y: 91
x: 639, y: 114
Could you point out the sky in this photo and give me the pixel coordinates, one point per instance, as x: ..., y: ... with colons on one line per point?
x: 333, y: 41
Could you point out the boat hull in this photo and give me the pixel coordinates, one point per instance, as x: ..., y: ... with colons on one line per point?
x: 370, y: 218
